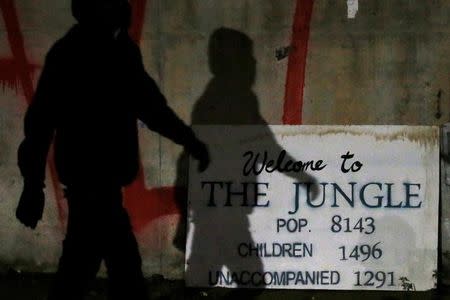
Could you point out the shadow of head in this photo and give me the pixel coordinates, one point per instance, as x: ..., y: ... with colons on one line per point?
x: 230, y: 55
x: 102, y: 14
x: 228, y: 98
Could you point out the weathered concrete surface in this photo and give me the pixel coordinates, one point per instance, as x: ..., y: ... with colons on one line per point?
x: 386, y: 66
x: 29, y: 286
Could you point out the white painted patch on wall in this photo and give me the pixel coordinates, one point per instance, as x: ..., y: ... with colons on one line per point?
x: 352, y: 8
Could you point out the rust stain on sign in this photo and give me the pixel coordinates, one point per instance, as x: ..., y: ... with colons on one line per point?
x: 423, y: 135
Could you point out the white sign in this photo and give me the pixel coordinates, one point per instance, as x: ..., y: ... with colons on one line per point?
x: 363, y: 215
x: 352, y: 8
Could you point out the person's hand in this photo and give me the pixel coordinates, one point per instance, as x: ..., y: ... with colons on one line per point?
x: 200, y: 152
x: 31, y: 205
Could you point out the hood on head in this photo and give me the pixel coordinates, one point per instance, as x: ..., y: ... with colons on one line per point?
x: 109, y: 14
x: 230, y: 54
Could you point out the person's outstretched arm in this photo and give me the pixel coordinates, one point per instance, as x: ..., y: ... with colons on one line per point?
x: 158, y: 116
x: 275, y: 149
x: 32, y: 154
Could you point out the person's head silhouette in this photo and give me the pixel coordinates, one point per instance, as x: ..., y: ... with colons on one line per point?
x: 230, y: 54
x: 102, y: 15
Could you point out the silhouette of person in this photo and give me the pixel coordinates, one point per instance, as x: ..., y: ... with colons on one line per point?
x: 91, y: 92
x: 227, y: 100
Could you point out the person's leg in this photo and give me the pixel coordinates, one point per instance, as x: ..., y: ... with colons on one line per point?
x: 81, y: 255
x: 202, y: 255
x: 121, y: 254
x: 252, y: 264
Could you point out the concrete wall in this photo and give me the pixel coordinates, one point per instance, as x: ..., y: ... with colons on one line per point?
x: 386, y: 66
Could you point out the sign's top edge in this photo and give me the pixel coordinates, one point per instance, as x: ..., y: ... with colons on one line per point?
x: 426, y: 135
x: 319, y: 126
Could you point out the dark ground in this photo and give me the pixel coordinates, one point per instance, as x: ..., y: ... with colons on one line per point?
x: 14, y: 286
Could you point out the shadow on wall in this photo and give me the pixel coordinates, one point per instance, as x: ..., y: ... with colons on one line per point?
x: 227, y: 100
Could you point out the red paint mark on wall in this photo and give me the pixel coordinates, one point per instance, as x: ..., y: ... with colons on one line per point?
x: 145, y: 205
x: 23, y: 74
x: 295, y: 80
x: 138, y: 19
x: 16, y: 43
x: 9, y: 75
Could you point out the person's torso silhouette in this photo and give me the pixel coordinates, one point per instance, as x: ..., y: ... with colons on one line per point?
x: 91, y: 92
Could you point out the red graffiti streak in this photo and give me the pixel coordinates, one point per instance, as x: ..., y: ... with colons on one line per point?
x: 145, y: 205
x: 295, y: 80
x: 23, y: 74
x: 9, y: 75
x: 16, y: 42
x: 138, y: 19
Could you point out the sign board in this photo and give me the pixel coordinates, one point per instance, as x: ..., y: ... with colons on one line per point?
x: 315, y: 207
